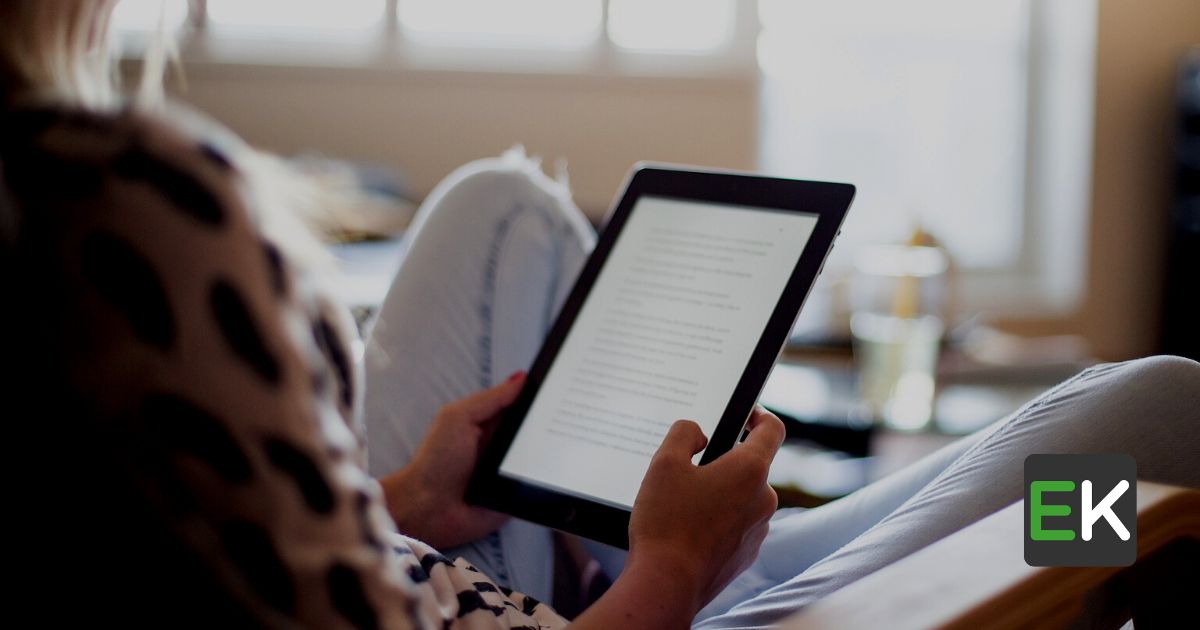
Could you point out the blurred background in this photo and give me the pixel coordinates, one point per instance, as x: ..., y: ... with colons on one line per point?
x: 1044, y: 153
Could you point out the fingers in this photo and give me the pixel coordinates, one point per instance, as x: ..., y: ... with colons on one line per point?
x: 770, y: 503
x: 481, y: 406
x: 757, y: 416
x: 751, y: 460
x: 489, y: 427
x: 683, y: 440
x: 766, y: 434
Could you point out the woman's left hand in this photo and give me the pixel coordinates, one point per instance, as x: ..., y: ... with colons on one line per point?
x: 425, y: 498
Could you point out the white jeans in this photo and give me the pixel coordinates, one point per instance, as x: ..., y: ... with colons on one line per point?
x: 494, y: 250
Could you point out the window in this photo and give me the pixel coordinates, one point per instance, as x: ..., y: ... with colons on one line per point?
x: 922, y: 103
x: 140, y: 16
x: 513, y: 23
x: 970, y: 119
x: 647, y: 26
x: 285, y: 15
x: 657, y: 25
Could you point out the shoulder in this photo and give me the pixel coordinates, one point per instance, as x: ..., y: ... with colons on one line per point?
x: 53, y: 158
x: 134, y: 246
x: 122, y: 206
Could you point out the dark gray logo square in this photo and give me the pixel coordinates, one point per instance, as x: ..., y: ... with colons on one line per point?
x: 1059, y: 513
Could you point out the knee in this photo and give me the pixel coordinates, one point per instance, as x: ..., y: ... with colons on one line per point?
x: 1158, y: 376
x: 491, y: 188
x: 1163, y: 368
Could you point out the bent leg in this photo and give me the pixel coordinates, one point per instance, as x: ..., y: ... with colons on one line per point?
x: 800, y: 538
x: 1149, y: 409
x: 493, y: 252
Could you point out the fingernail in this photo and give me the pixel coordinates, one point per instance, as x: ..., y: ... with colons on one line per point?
x: 515, y: 376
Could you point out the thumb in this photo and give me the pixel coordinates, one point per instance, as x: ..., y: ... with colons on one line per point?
x: 683, y: 440
x: 766, y: 434
x: 483, y: 405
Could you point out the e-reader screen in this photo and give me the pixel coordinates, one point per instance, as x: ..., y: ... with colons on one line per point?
x: 666, y: 332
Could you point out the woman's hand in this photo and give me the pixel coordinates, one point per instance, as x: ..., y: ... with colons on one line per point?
x: 425, y: 498
x: 706, y: 522
x: 693, y: 529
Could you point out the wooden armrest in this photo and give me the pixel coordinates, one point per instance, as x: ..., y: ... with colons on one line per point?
x: 977, y: 577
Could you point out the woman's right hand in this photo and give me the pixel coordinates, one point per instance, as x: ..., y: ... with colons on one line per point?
x: 705, y: 523
x: 693, y: 529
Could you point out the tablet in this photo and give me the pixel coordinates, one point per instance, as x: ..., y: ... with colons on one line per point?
x: 680, y: 312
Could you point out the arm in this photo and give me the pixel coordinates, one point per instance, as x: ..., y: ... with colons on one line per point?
x: 648, y: 594
x: 694, y: 528
x: 674, y: 567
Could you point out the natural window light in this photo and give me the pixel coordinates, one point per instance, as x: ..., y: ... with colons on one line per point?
x: 143, y: 15
x: 656, y: 24
x: 971, y: 120
x: 634, y: 25
x: 513, y: 23
x: 285, y: 15
x: 921, y: 103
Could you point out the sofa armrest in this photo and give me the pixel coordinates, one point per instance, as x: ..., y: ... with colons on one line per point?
x: 977, y: 577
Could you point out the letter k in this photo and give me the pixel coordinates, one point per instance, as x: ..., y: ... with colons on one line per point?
x: 1091, y: 513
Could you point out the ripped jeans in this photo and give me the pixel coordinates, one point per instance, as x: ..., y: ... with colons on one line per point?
x: 493, y: 252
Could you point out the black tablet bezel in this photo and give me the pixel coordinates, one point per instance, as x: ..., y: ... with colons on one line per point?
x: 604, y: 522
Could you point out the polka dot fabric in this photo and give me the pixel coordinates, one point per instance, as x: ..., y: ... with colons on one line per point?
x: 221, y: 384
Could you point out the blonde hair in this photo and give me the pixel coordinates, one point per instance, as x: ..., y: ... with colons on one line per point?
x: 59, y: 51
